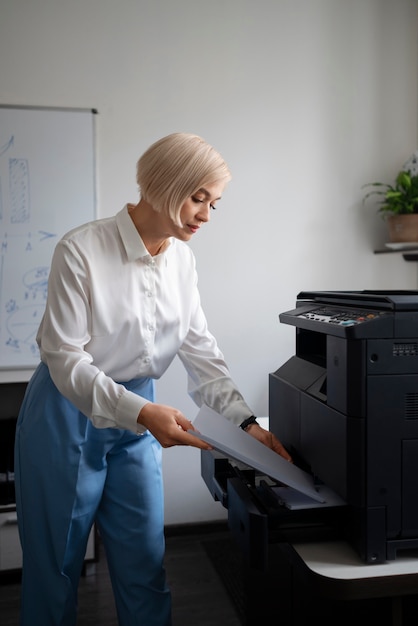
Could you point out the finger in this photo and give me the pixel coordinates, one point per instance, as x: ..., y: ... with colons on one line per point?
x: 280, y: 449
x: 187, y: 439
x: 184, y: 423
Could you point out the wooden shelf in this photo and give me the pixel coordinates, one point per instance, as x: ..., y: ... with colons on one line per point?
x: 410, y: 254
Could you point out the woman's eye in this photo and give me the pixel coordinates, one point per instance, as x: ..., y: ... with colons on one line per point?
x: 201, y: 201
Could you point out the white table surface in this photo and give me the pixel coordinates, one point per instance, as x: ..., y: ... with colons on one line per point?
x: 338, y: 560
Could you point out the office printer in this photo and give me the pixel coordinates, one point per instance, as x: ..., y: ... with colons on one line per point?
x: 346, y: 407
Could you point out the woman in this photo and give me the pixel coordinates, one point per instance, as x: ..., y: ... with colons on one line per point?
x: 122, y: 303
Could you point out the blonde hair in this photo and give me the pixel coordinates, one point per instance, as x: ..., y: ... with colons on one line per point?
x: 174, y: 168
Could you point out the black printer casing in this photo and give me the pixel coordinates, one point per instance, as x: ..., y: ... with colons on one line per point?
x: 346, y: 407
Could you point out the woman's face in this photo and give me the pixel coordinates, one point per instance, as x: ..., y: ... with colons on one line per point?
x: 196, y: 210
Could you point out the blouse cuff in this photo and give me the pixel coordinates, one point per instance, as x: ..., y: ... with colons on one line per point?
x: 237, y: 411
x: 127, y: 410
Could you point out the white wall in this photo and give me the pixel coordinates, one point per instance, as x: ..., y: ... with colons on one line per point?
x: 306, y: 99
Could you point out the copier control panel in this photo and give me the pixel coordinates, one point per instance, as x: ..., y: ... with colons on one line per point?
x: 340, y: 316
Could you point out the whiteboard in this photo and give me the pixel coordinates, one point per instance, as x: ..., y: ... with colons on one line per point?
x: 47, y: 187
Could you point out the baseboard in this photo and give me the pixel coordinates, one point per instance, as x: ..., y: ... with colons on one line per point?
x: 200, y: 528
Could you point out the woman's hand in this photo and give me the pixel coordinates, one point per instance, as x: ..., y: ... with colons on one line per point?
x: 269, y: 440
x: 169, y: 426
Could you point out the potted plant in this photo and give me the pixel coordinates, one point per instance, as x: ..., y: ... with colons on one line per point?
x: 398, y: 205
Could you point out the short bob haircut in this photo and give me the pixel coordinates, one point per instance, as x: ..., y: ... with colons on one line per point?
x: 174, y: 168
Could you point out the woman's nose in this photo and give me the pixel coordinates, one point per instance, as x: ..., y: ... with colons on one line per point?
x: 204, y: 213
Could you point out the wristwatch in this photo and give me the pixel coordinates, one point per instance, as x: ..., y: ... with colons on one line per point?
x: 250, y: 420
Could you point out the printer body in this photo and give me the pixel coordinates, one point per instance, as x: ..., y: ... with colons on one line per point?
x: 346, y: 407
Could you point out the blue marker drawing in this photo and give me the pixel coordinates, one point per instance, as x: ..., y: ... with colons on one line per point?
x: 22, y: 322
x: 45, y: 235
x: 22, y: 326
x: 36, y: 281
x: 7, y: 145
x: 4, y: 149
x: 19, y: 191
x: 23, y: 289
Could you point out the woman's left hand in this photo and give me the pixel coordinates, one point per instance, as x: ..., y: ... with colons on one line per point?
x: 269, y: 440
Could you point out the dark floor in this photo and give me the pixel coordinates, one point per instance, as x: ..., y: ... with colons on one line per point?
x: 199, y: 596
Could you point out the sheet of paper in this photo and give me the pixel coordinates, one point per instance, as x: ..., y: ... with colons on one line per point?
x: 227, y: 438
x: 295, y: 500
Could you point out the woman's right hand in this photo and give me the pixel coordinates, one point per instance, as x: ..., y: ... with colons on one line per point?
x: 169, y: 426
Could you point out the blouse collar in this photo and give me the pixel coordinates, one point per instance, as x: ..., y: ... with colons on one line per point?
x: 132, y: 241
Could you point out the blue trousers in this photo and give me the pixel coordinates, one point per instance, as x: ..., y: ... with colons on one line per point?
x: 68, y: 475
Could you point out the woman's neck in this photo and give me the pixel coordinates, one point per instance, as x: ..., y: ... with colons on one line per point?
x: 150, y: 225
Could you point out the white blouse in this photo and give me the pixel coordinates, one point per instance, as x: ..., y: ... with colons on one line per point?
x: 115, y: 313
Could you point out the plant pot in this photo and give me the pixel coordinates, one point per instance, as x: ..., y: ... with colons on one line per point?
x: 403, y: 228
